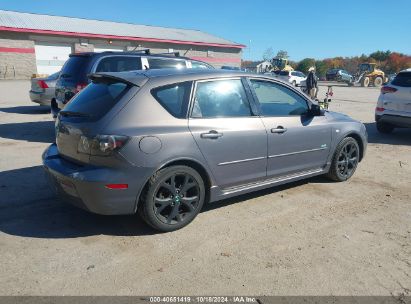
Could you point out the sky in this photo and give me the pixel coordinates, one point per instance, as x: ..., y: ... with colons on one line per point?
x: 313, y: 29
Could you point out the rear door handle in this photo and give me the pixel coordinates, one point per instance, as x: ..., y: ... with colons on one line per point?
x: 213, y: 134
x: 279, y: 130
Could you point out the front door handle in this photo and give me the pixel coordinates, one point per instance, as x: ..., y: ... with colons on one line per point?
x: 213, y: 134
x: 279, y: 130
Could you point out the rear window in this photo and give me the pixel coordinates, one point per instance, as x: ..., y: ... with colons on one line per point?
x: 156, y: 63
x: 402, y: 80
x: 76, y: 67
x: 97, y: 99
x: 119, y: 64
x: 284, y: 73
x: 174, y: 98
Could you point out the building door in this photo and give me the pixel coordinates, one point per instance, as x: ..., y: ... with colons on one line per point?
x: 51, y: 58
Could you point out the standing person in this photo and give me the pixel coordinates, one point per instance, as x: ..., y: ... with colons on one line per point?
x: 311, y: 83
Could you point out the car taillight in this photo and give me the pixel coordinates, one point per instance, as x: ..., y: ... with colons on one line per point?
x: 42, y: 84
x: 378, y: 109
x: 117, y: 186
x: 387, y: 89
x: 101, y: 145
x: 80, y: 86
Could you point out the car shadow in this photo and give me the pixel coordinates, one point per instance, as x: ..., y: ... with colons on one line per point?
x: 27, y: 109
x: 39, y: 131
x: 400, y: 136
x: 29, y: 208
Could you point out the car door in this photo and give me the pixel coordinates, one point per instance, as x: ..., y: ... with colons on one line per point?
x: 228, y: 132
x: 400, y: 99
x: 297, y: 142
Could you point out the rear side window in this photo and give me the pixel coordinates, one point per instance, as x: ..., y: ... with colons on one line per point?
x: 402, y: 80
x: 174, y: 98
x: 97, y: 99
x: 119, y: 64
x: 157, y: 63
x: 76, y: 68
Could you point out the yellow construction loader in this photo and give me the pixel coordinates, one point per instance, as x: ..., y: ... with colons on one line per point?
x: 281, y: 64
x: 368, y: 74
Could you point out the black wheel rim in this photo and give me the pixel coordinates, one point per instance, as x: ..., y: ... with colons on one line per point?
x: 176, y: 198
x: 347, y: 160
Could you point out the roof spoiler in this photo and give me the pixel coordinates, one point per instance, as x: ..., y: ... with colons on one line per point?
x: 106, y: 78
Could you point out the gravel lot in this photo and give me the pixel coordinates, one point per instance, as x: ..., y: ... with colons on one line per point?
x: 308, y: 238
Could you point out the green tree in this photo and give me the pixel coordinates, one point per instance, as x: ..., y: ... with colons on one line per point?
x: 305, y: 64
x: 282, y: 54
x: 321, y: 68
x: 380, y: 55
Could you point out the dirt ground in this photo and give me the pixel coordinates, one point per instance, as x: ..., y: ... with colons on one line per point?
x: 313, y: 237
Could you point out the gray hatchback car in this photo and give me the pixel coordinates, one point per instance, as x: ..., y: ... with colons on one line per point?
x: 164, y: 142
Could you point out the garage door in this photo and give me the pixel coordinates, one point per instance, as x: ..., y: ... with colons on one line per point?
x: 50, y: 58
x: 107, y: 49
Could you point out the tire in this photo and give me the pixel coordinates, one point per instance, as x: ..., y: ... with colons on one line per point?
x: 384, y: 128
x: 294, y: 83
x: 164, y: 204
x: 378, y: 81
x: 345, y: 160
x: 365, y: 82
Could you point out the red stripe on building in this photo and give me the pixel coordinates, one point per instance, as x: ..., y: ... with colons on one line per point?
x: 114, y: 37
x: 217, y: 60
x: 16, y: 50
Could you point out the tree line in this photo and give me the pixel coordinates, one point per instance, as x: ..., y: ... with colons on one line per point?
x: 389, y: 62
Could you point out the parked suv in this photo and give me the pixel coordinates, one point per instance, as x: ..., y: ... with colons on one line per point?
x: 74, y: 74
x: 338, y: 75
x: 164, y: 142
x: 394, y: 104
x: 292, y: 77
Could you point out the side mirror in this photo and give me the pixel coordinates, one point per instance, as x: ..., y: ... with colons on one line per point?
x: 315, y: 110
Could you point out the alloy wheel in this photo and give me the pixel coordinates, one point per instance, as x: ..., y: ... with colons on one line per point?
x: 347, y: 160
x: 176, y: 198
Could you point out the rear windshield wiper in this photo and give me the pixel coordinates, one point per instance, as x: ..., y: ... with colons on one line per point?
x: 73, y: 114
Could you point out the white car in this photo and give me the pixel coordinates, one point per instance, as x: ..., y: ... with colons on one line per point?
x: 293, y: 77
x: 394, y: 104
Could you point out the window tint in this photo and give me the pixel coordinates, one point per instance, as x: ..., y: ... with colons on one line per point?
x: 97, y: 99
x: 284, y: 73
x: 222, y: 98
x: 200, y: 65
x: 402, y: 79
x: 75, y: 68
x: 174, y: 98
x: 294, y: 73
x: 119, y: 64
x: 157, y: 63
x: 277, y: 100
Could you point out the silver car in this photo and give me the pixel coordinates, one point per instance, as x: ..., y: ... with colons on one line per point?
x: 43, y: 90
x: 164, y: 142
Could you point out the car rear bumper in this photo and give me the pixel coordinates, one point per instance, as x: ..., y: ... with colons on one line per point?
x: 40, y: 98
x: 395, y: 120
x: 85, y: 186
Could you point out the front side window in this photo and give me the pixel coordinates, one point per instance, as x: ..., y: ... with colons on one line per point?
x: 277, y: 100
x: 221, y: 98
x: 119, y: 64
x: 160, y: 63
x: 174, y: 98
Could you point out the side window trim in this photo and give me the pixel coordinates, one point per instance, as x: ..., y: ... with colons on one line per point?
x: 194, y: 90
x: 308, y: 103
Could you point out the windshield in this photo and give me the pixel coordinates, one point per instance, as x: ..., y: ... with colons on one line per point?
x: 95, y: 100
